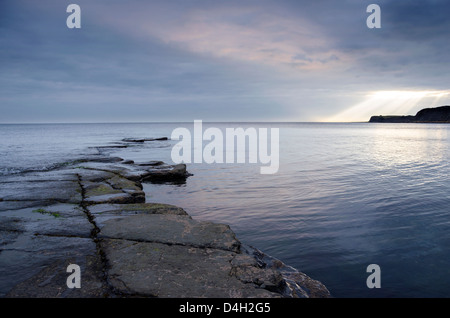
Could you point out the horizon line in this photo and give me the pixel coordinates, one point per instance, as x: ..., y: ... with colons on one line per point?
x: 182, y: 122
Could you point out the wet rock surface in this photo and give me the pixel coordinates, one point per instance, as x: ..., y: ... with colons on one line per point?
x: 93, y: 213
x: 171, y: 230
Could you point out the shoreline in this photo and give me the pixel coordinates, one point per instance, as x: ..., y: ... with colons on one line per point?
x: 93, y: 213
x: 436, y: 115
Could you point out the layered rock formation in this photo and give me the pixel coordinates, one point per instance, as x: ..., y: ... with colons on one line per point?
x: 93, y: 213
x: 428, y: 115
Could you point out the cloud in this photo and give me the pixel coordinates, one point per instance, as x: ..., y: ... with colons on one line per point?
x: 214, y: 60
x: 258, y: 32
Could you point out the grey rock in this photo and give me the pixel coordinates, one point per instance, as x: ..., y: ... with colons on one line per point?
x: 17, y: 205
x: 52, y: 191
x: 50, y: 281
x: 100, y: 158
x: 93, y: 213
x: 118, y: 198
x: 161, y: 270
x: 41, y: 176
x: 113, y: 210
x: 303, y: 286
x: 170, y: 229
x: 21, y: 261
x: 152, y: 172
x: 150, y: 163
x: 111, y: 147
x: 295, y: 283
x: 86, y: 173
x: 170, y: 173
x: 101, y: 186
x: 55, y: 220
x: 140, y: 140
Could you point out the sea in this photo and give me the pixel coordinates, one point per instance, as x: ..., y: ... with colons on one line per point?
x: 345, y: 196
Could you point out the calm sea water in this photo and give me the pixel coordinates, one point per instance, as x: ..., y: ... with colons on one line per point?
x: 345, y: 196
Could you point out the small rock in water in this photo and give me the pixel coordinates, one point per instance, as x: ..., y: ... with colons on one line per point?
x: 150, y: 163
x: 143, y: 139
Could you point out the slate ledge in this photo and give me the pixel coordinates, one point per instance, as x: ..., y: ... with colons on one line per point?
x: 93, y: 213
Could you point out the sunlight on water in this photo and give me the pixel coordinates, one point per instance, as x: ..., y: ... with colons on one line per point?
x: 406, y: 145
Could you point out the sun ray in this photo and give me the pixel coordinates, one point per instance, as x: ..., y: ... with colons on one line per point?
x: 390, y: 103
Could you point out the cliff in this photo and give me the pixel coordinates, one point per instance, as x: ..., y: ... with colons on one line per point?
x: 428, y: 115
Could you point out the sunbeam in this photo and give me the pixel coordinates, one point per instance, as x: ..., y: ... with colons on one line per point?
x: 390, y: 103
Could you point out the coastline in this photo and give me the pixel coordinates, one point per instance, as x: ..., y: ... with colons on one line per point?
x: 437, y: 115
x: 93, y: 213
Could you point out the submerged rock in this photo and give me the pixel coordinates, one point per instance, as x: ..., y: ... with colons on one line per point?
x: 144, y: 139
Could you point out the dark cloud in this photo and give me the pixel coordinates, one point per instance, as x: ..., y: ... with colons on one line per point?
x: 417, y: 20
x: 212, y: 60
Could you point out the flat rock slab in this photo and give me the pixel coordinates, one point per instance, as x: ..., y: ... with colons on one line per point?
x: 159, y: 172
x: 93, y: 214
x: 86, y: 173
x: 53, y: 191
x: 55, y: 220
x: 107, y: 187
x: 98, y: 171
x: 17, y: 205
x: 53, y: 175
x: 104, y: 211
x: 33, y: 239
x: 93, y: 189
x: 161, y: 270
x: 23, y: 259
x: 51, y: 281
x: 170, y: 229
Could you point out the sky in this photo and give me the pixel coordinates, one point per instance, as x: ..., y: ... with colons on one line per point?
x: 221, y: 60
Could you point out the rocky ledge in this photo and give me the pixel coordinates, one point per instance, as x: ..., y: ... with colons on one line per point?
x: 93, y: 213
x: 428, y: 115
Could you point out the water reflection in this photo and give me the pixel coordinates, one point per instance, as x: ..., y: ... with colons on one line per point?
x: 401, y: 145
x: 345, y: 196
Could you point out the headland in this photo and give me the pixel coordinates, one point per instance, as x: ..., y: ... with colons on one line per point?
x: 427, y: 115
